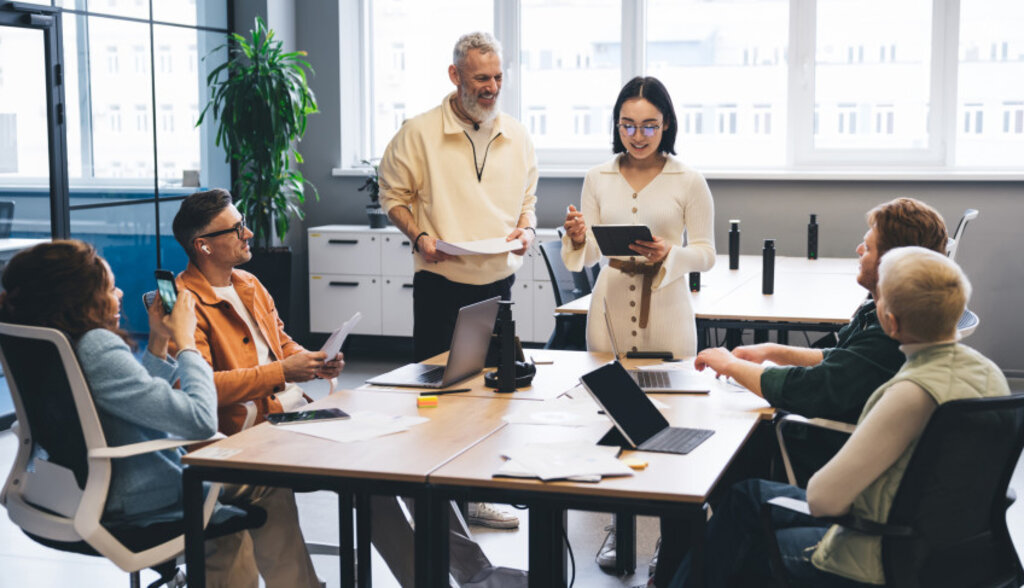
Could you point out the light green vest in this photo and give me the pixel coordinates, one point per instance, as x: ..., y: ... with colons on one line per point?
x: 948, y: 371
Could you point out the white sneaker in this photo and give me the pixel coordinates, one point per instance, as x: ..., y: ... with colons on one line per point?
x: 485, y: 514
x: 606, y: 555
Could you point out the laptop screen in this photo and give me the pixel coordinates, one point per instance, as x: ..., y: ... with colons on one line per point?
x: 472, y: 335
x: 624, y: 402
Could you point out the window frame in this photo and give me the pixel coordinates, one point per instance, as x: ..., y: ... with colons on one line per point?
x: 803, y: 160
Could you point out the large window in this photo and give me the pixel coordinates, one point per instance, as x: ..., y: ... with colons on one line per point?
x: 757, y: 84
x: 134, y: 83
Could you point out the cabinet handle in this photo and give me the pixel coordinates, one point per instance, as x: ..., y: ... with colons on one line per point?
x: 343, y: 283
x: 407, y: 285
x: 405, y: 243
x: 343, y: 241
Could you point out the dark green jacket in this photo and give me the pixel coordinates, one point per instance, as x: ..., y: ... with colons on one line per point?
x: 839, y: 386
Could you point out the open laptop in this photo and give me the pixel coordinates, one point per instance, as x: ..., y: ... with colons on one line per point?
x: 675, y: 381
x: 472, y: 335
x: 635, y: 416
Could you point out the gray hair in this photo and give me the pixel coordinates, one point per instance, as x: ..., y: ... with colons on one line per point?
x: 483, y: 42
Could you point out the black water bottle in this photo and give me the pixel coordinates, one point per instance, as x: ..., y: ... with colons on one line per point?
x: 768, y: 267
x: 812, y: 237
x: 734, y: 244
x: 694, y: 281
x: 506, y: 375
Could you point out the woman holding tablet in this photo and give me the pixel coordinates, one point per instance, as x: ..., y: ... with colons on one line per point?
x: 643, y: 184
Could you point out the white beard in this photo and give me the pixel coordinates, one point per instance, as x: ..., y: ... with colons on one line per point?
x: 474, y: 110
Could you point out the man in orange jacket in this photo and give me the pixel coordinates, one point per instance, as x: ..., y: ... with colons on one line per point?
x: 240, y: 335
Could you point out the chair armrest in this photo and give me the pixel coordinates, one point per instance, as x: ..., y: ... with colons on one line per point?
x: 145, y: 447
x: 250, y: 414
x: 791, y: 419
x: 849, y: 521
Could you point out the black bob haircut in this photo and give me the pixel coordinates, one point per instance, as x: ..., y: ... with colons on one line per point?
x: 652, y: 90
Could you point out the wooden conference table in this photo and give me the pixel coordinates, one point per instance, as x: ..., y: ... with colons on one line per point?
x: 810, y: 294
x: 453, y: 455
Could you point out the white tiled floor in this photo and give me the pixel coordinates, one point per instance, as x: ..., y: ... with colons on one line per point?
x: 25, y: 563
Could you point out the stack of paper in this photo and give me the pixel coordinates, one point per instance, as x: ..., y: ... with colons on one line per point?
x: 360, y: 427
x: 579, y: 461
x: 578, y: 411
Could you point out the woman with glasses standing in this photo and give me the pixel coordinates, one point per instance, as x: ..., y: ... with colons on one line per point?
x: 643, y: 184
x: 647, y: 294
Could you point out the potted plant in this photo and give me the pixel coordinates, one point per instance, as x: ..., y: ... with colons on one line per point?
x: 261, y: 99
x: 378, y: 220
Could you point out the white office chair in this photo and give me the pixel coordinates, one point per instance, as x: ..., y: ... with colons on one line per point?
x: 58, y: 498
x: 954, y: 241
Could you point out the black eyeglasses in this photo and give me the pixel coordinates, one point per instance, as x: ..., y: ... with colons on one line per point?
x: 237, y: 228
x: 630, y: 129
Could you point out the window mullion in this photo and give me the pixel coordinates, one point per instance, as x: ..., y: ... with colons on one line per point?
x: 945, y: 65
x: 800, y: 105
x: 634, y: 39
x: 508, y: 29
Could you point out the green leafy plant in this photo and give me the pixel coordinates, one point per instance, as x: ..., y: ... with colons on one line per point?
x: 261, y: 99
x: 372, y: 183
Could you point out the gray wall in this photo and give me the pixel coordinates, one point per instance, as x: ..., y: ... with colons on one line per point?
x: 991, y: 254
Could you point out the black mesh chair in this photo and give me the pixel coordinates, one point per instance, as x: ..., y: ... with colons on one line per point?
x: 570, y: 329
x: 947, y: 525
x: 58, y: 485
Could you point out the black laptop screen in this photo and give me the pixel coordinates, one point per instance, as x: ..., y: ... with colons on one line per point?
x: 625, y: 402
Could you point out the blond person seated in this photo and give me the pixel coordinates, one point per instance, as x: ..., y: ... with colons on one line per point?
x: 921, y: 295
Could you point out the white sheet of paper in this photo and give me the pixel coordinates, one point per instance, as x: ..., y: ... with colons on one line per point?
x: 337, y: 338
x: 360, y: 426
x: 557, y: 461
x: 579, y: 411
x: 481, y: 247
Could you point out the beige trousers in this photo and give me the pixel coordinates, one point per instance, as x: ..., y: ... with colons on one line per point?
x: 276, y: 551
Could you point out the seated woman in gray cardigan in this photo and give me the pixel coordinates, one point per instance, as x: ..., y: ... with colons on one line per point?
x: 921, y: 295
x: 67, y: 286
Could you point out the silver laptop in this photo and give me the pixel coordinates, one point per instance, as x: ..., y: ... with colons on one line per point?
x: 676, y: 381
x: 466, y: 358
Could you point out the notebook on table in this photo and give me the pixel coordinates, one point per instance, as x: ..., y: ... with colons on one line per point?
x: 466, y: 356
x: 672, y: 381
x: 635, y: 416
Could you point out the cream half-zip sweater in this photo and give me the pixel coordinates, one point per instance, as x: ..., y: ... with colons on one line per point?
x: 428, y: 167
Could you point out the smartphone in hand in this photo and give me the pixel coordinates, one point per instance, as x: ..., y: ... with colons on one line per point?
x: 168, y: 291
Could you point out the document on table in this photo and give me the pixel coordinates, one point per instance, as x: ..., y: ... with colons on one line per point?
x: 480, y: 247
x: 360, y: 426
x: 579, y: 411
x: 564, y: 460
x: 337, y: 338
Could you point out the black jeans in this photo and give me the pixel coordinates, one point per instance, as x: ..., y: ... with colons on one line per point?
x: 436, y: 304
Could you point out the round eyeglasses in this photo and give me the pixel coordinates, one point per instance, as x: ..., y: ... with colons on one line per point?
x: 630, y: 130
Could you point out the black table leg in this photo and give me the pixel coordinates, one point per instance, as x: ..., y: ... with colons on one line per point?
x: 346, y: 546
x: 364, y: 517
x: 760, y: 335
x: 547, y: 546
x: 625, y: 543
x: 431, y: 539
x: 195, y: 554
x: 782, y: 336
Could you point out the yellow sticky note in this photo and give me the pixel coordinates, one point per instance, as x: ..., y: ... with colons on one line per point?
x: 634, y: 462
x: 426, y: 401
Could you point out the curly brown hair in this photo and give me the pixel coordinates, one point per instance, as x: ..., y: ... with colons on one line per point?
x: 905, y: 221
x: 63, y: 285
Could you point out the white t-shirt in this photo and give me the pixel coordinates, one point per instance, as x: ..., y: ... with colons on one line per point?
x: 480, y: 139
x: 291, y: 398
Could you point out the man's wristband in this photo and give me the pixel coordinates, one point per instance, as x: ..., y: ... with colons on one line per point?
x: 416, y: 242
x: 531, y: 229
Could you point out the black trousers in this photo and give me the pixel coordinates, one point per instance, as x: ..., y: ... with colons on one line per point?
x: 436, y: 304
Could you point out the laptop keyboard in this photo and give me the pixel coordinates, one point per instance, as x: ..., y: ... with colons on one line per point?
x: 676, y: 440
x: 650, y: 379
x: 431, y: 376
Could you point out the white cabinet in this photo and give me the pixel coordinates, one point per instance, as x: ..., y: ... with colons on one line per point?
x: 352, y: 268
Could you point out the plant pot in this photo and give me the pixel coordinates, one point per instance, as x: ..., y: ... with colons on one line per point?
x: 273, y: 268
x: 378, y: 220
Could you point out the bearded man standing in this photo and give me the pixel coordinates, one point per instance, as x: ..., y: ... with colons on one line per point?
x: 460, y: 172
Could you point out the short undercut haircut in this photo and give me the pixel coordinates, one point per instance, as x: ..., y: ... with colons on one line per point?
x: 925, y: 290
x: 483, y: 42
x: 196, y: 213
x: 904, y: 222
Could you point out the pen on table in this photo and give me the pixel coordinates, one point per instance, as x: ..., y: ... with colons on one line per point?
x: 440, y: 392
